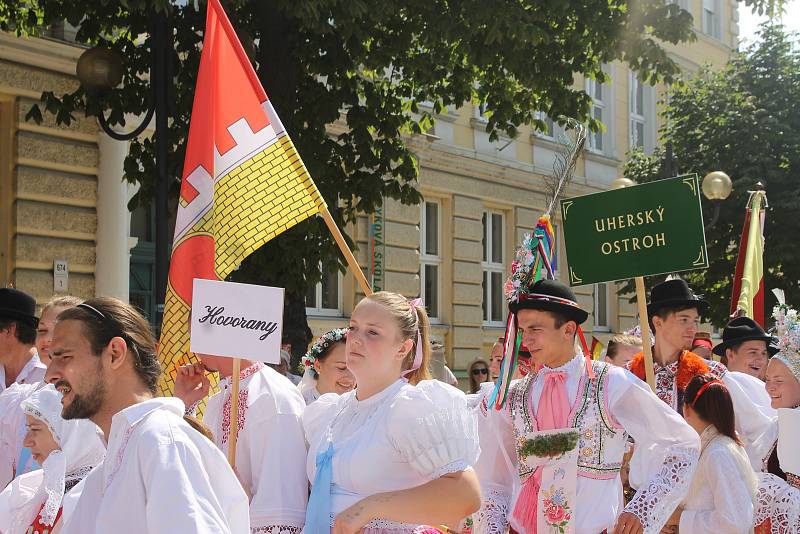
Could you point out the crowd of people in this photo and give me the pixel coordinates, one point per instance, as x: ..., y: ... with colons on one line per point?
x: 368, y: 441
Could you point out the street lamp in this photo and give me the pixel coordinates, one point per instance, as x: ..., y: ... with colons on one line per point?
x: 716, y: 187
x: 622, y: 183
x: 100, y: 70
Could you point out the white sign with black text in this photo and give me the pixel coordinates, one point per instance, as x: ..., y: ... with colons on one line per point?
x: 237, y: 320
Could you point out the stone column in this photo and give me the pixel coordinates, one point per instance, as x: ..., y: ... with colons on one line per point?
x: 112, y: 268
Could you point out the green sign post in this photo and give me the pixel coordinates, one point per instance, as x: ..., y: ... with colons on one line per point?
x: 648, y: 229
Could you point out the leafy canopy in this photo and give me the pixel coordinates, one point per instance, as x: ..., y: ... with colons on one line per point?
x: 369, y: 64
x: 743, y: 120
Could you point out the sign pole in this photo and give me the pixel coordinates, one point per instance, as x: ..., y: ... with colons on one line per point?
x: 348, y: 254
x: 234, y: 428
x: 647, y: 347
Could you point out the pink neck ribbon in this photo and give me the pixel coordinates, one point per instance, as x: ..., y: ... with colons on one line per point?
x: 414, y: 304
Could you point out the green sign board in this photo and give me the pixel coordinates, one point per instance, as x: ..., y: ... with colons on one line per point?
x: 648, y: 229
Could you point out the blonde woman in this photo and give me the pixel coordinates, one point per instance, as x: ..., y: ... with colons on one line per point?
x: 396, y: 452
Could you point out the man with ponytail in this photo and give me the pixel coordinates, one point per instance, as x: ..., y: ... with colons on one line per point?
x: 721, y: 497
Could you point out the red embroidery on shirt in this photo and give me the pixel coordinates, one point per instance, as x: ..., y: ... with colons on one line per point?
x: 226, y: 410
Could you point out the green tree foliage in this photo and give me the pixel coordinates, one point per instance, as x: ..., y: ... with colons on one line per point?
x: 743, y: 120
x: 369, y: 64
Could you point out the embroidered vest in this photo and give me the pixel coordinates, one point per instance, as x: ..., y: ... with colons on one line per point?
x: 602, y: 442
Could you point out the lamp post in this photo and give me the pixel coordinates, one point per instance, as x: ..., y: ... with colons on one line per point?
x: 100, y: 70
x: 716, y: 187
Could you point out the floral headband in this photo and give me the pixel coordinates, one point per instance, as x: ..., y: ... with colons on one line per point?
x: 321, y: 345
x: 787, y: 328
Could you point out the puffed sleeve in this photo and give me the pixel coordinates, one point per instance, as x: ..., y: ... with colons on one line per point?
x: 755, y: 417
x: 433, y: 429
x: 733, y: 498
x: 777, y: 505
x: 666, y: 453
x: 318, y: 415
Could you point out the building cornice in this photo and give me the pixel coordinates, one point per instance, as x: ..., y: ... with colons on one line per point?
x: 45, y: 54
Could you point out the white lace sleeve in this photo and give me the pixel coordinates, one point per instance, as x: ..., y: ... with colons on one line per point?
x: 495, y: 469
x: 666, y: 453
x: 755, y: 417
x: 433, y: 429
x: 777, y: 506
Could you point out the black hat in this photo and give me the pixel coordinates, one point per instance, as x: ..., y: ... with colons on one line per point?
x: 674, y: 292
x: 18, y: 305
x: 740, y: 330
x: 550, y: 295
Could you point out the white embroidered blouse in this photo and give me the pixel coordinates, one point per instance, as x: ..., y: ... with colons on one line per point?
x: 723, y: 491
x: 270, y: 449
x: 400, y: 438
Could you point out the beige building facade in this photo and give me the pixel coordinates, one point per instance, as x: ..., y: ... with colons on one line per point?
x: 62, y: 198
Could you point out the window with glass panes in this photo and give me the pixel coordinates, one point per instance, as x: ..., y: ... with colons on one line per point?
x: 637, y: 111
x: 430, y: 256
x: 711, y: 18
x: 601, y: 305
x: 596, y: 90
x: 493, y: 266
x: 324, y: 298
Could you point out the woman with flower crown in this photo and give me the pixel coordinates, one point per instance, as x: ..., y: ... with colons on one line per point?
x: 39, y: 501
x: 778, y: 510
x: 325, y: 366
x: 395, y: 453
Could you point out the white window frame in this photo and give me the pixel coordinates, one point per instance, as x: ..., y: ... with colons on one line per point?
x: 712, y: 18
x: 544, y: 117
x: 598, y: 104
x: 489, y: 266
x: 319, y: 311
x: 430, y: 259
x: 602, y: 288
x: 634, y: 116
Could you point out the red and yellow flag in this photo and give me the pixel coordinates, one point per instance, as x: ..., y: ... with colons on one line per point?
x: 597, y: 348
x: 243, y: 181
x: 748, y: 282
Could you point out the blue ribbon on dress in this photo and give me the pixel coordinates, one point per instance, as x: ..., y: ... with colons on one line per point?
x: 26, y: 463
x: 318, y: 513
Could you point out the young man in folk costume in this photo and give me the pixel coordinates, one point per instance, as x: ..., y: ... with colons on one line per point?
x: 270, y: 448
x: 602, y: 404
x: 674, y: 314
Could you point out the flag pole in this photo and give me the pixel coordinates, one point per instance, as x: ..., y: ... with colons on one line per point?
x: 644, y: 324
x: 233, y: 433
x: 348, y: 254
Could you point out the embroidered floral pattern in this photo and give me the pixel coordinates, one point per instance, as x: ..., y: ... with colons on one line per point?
x: 226, y: 411
x: 492, y: 517
x: 321, y: 345
x: 118, y: 458
x: 777, y: 506
x: 557, y: 512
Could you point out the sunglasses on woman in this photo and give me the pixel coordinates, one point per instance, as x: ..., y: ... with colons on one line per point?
x: 483, y: 371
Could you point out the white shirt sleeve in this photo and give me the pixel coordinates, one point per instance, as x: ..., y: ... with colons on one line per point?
x: 666, y: 452
x: 495, y: 468
x: 755, y: 417
x: 432, y: 428
x: 273, y: 448
x: 175, y: 478
x: 733, y: 504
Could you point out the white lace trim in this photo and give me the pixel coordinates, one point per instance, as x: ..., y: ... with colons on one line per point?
x: 275, y: 529
x: 778, y: 503
x: 452, y: 467
x: 654, y: 504
x: 492, y: 518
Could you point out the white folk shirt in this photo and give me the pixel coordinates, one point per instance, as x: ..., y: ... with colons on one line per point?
x: 666, y: 455
x: 160, y: 476
x: 32, y: 372
x: 722, y: 495
x: 270, y: 448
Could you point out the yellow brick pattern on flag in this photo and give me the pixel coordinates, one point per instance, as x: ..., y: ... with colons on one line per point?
x: 261, y: 198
